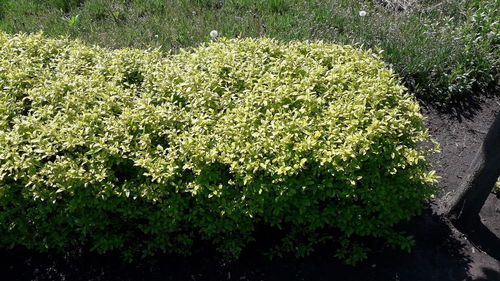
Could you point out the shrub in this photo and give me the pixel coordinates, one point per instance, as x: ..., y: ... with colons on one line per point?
x: 442, y: 49
x: 142, y: 152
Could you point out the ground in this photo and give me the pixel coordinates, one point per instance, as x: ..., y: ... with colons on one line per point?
x: 441, y: 253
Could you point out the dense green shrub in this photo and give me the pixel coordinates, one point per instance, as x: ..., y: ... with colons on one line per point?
x: 144, y: 152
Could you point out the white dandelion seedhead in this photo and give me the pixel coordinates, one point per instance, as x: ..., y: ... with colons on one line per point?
x: 214, y: 34
x: 362, y: 13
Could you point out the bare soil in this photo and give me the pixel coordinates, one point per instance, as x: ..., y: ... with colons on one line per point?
x: 441, y: 252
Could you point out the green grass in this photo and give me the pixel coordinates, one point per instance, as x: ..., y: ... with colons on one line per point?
x: 443, y: 49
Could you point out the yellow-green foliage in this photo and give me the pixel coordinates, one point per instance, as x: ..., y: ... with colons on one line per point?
x: 144, y: 152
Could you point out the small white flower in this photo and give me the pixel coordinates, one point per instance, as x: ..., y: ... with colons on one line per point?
x: 362, y: 13
x: 156, y: 35
x: 214, y: 33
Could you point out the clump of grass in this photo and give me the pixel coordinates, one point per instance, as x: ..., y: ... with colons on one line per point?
x: 399, y: 5
x: 442, y: 49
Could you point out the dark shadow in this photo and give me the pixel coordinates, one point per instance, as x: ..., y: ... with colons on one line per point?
x: 482, y: 238
x: 470, y: 197
x: 490, y: 275
x: 465, y: 108
x: 437, y: 256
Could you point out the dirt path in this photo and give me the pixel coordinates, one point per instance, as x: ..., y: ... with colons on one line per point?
x: 460, y: 133
x: 441, y: 253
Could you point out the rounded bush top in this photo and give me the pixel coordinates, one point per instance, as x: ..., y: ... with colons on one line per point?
x: 220, y: 137
x: 277, y: 108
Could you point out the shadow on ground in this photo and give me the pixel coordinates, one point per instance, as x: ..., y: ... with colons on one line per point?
x: 436, y: 256
x: 485, y: 240
x: 489, y: 274
x: 462, y: 109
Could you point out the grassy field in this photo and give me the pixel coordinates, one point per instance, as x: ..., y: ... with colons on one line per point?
x: 443, y: 49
